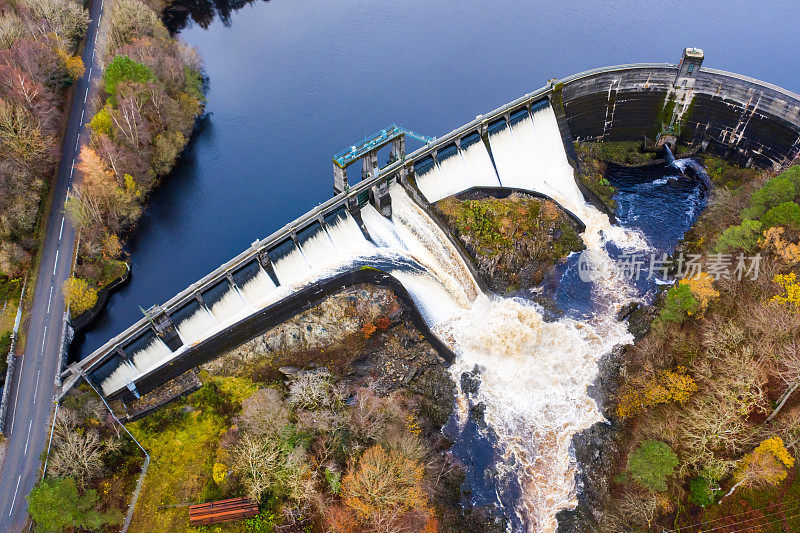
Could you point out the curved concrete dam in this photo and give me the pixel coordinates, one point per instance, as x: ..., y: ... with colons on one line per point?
x: 383, y: 222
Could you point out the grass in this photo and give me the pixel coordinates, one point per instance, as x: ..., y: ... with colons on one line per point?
x: 727, y: 175
x: 759, y: 506
x: 619, y: 152
x: 507, y: 235
x: 182, y: 457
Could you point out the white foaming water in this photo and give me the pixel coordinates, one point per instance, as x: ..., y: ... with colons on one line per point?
x: 196, y: 326
x: 534, y: 374
x: 151, y: 356
x: 229, y: 306
x: 479, y: 164
x: 291, y: 267
x: 319, y: 249
x: 346, y: 236
x: 122, y: 375
x: 433, y: 185
x: 512, y: 170
x: 258, y: 287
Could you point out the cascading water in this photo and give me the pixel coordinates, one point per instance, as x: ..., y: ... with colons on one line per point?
x: 257, y: 288
x: 291, y: 265
x: 345, y: 234
x: 228, y: 306
x: 195, y: 326
x: 479, y: 164
x: 317, y: 247
x: 151, y: 356
x: 533, y: 374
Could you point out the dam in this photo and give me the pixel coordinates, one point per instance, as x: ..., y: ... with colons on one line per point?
x: 525, y: 144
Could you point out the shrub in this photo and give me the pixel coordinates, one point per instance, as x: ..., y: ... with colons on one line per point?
x: 792, y: 174
x: 384, y: 481
x: 774, y: 192
x: 211, y: 396
x: 368, y: 329
x: 334, y: 481
x: 679, y: 303
x: 80, y: 297
x: 313, y: 390
x: 219, y: 472
x: 786, y: 215
x: 701, y: 492
x: 668, y: 386
x: 702, y: 287
x: 5, y: 346
x: 768, y: 464
x: 56, y: 504
x: 791, y: 289
x: 743, y: 237
x: 651, y: 464
x: 123, y: 68
x: 787, y: 251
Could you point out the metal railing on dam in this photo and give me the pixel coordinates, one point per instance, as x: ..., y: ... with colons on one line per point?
x: 358, y: 194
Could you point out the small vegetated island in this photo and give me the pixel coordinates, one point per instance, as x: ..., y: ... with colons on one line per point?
x: 332, y: 421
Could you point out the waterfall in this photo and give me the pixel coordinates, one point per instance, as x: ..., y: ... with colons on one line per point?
x: 533, y: 374
x: 230, y: 305
x: 289, y: 264
x: 345, y: 233
x: 194, y: 327
x: 479, y: 164
x: 151, y: 355
x: 432, y: 184
x: 258, y: 287
x: 317, y: 247
x: 669, y: 158
x: 123, y: 374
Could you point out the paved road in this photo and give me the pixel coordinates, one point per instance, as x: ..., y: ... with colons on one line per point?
x: 31, y: 399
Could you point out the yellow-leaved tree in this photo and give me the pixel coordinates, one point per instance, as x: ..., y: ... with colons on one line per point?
x: 666, y: 386
x: 702, y: 287
x: 382, y: 484
x: 787, y: 251
x: 791, y: 289
x: 79, y: 295
x: 768, y: 464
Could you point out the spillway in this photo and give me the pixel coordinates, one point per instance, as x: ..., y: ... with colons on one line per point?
x: 288, y: 262
x: 478, y: 163
x: 254, y: 283
x: 345, y: 234
x: 534, y: 374
x: 193, y: 322
x: 317, y: 247
x: 224, y: 301
x: 148, y: 352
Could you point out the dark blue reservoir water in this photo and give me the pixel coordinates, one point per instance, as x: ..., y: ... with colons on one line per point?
x: 293, y: 82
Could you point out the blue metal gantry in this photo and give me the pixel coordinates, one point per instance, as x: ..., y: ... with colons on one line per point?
x: 373, y: 142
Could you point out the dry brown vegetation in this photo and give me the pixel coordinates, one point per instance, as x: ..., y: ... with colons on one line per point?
x: 736, y: 431
x: 152, y: 95
x: 39, y: 42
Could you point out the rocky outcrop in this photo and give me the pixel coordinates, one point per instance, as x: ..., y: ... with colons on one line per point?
x: 513, y: 240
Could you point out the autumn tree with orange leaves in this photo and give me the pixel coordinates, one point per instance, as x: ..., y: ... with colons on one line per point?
x: 384, y: 486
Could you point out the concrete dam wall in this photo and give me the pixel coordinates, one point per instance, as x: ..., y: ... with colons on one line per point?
x: 734, y: 116
x: 525, y: 144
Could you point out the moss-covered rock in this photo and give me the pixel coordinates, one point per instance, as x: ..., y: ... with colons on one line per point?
x: 514, y: 241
